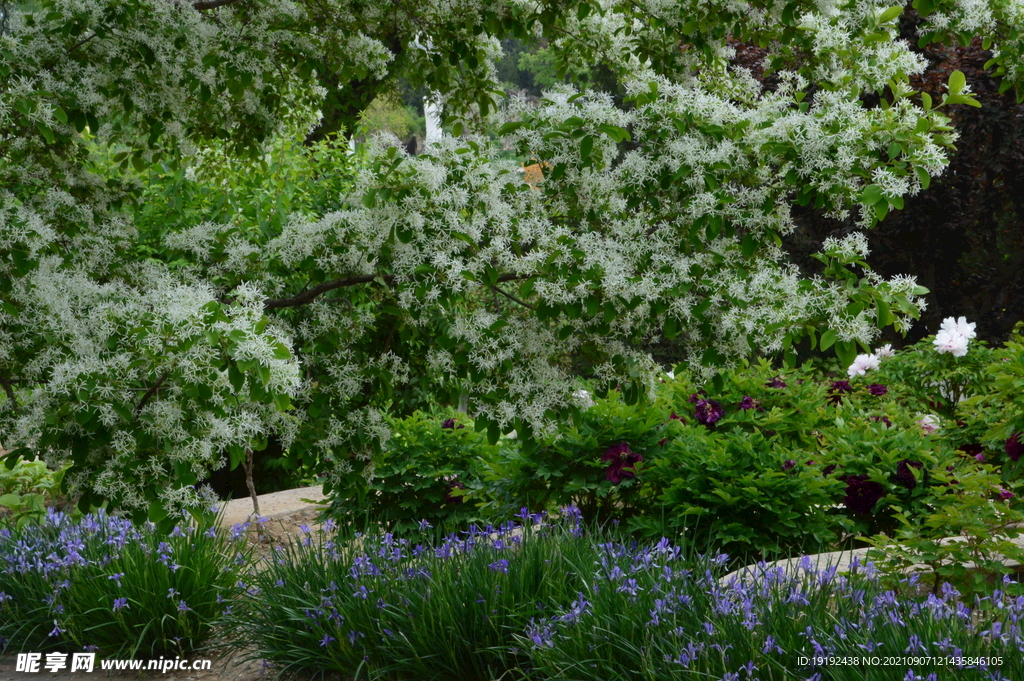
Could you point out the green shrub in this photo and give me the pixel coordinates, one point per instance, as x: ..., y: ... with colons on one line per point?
x: 426, y: 471
x: 743, y: 492
x: 25, y: 490
x: 594, y: 465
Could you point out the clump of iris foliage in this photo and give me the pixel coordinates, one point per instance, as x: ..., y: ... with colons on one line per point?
x: 544, y: 599
x: 101, y: 583
x: 429, y: 607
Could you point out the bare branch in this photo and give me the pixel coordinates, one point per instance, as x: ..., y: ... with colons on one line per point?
x: 211, y: 4
x: 309, y: 295
x: 6, y: 383
x: 512, y: 297
x: 149, y: 393
x: 312, y: 294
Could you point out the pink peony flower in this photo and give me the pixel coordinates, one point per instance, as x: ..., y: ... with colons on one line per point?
x: 952, y: 343
x: 862, y: 364
x: 929, y: 424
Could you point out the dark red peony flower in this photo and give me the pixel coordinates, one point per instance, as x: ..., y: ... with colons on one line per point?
x: 620, y: 459
x: 904, y: 476
x: 708, y: 412
x: 788, y: 464
x: 1014, y: 447
x: 828, y: 470
x: 450, y: 423
x: 861, y: 493
x: 449, y: 497
x: 877, y: 389
x: 837, y: 390
x: 971, y: 450
x: 747, y: 403
x: 695, y: 397
x: 883, y: 419
x: 776, y: 382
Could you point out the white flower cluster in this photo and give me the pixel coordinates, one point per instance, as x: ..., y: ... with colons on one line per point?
x: 865, y: 363
x: 954, y: 335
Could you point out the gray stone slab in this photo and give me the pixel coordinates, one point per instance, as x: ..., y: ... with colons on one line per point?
x: 274, y: 505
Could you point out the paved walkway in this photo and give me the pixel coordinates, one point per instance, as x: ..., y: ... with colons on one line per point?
x: 842, y: 560
x: 275, y: 505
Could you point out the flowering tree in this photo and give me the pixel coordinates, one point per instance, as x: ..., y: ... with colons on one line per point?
x: 658, y: 216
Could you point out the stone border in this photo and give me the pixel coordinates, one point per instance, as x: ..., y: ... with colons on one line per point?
x: 275, y: 505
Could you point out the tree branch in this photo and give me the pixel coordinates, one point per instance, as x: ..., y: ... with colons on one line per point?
x: 149, y: 393
x: 312, y: 294
x: 512, y: 297
x: 6, y: 383
x: 211, y: 4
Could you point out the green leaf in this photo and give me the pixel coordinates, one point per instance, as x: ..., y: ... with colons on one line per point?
x: 157, y: 512
x: 586, y: 147
x: 922, y: 175
x: 46, y: 132
x: 890, y: 14
x: 957, y: 81
x: 510, y: 128
x: 872, y: 194
x: 885, y: 316
x: 670, y: 329
x: 827, y: 340
x: 749, y: 245
x: 846, y: 351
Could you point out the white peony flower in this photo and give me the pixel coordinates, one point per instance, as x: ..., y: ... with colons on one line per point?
x: 862, y: 364
x: 885, y: 351
x: 583, y: 399
x: 952, y: 342
x: 959, y: 327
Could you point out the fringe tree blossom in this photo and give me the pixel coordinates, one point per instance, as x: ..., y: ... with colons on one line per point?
x: 662, y: 218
